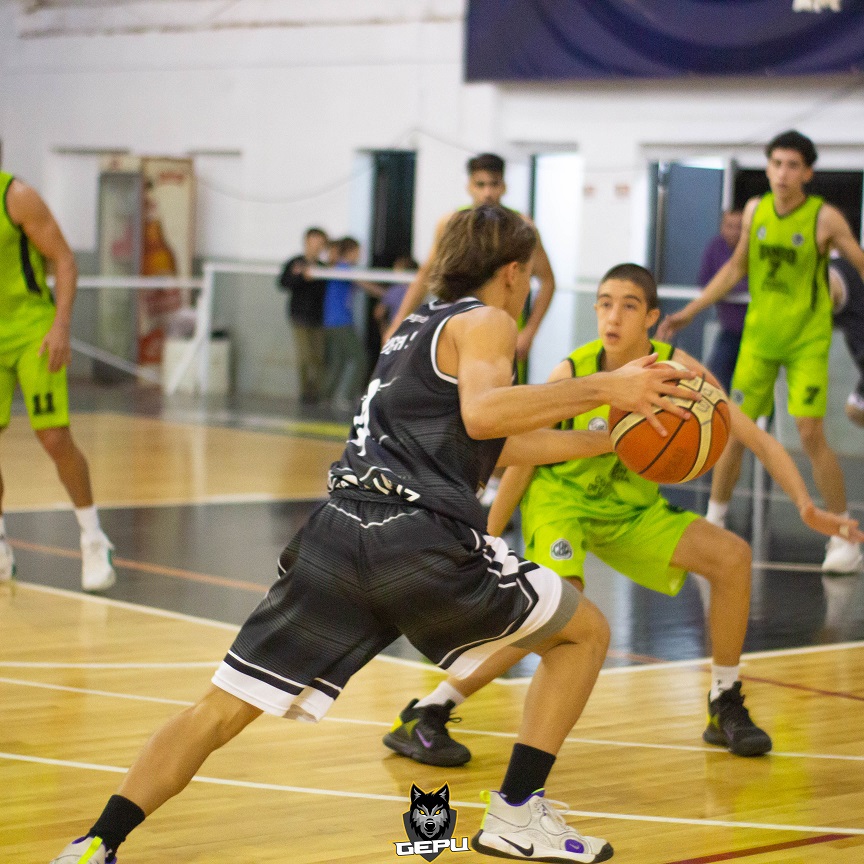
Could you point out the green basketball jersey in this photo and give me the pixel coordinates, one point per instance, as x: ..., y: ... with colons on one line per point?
x: 790, y: 305
x: 598, y: 487
x: 26, y: 305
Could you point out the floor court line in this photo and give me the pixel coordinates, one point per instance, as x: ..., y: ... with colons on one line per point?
x: 188, y: 501
x: 428, y: 667
x: 370, y: 796
x: 487, y: 733
x: 156, y: 569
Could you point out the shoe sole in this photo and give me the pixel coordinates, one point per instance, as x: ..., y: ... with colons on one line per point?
x: 718, y: 739
x: 603, y: 855
x: 404, y: 748
x: 103, y: 586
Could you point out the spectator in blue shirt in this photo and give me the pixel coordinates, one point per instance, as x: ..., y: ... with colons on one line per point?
x: 345, y: 373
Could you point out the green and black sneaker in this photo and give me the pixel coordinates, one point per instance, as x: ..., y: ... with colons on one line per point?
x: 730, y: 726
x: 421, y: 734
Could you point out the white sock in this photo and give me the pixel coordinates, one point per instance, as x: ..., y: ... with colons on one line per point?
x: 441, y: 694
x: 716, y: 514
x: 88, y: 520
x: 722, y: 678
x: 2, y: 527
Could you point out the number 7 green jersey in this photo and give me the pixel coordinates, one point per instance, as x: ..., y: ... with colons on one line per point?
x: 790, y: 305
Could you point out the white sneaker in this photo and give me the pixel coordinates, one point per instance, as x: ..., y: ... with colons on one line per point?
x: 85, y: 850
x: 7, y: 561
x: 841, y: 556
x: 855, y: 409
x: 534, y: 831
x: 97, y: 572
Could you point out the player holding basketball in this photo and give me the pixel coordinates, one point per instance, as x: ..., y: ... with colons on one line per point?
x: 783, y: 251
x: 597, y: 504
x: 34, y: 351
x: 399, y: 547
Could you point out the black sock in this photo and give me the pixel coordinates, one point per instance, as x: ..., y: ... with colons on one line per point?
x: 118, y: 818
x: 526, y: 773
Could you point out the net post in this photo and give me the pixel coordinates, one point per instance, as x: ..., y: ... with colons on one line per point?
x: 199, y: 343
x: 760, y: 528
x: 204, y: 325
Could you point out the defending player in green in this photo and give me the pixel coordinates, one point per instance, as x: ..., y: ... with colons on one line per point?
x: 597, y: 504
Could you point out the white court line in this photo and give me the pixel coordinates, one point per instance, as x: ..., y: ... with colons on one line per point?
x: 88, y: 692
x: 24, y: 664
x: 370, y: 796
x: 232, y: 498
x: 593, y: 742
x: 429, y: 667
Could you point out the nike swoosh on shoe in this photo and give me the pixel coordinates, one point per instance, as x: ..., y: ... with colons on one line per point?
x: 526, y: 852
x: 423, y: 741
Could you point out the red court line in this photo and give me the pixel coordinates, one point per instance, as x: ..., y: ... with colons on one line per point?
x: 157, y: 569
x: 803, y: 687
x: 762, y: 850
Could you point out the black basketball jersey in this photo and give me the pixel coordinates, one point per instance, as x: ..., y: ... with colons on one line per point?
x: 409, y: 441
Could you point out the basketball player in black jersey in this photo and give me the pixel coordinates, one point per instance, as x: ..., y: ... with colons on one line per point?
x: 399, y: 547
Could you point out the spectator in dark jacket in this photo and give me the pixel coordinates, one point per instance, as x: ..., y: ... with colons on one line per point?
x: 306, y: 312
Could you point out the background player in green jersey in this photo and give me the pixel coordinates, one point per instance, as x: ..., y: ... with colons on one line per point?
x: 597, y: 504
x: 34, y: 351
x: 783, y: 250
x: 486, y: 186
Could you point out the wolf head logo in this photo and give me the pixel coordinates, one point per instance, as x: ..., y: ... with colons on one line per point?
x: 430, y: 813
x: 430, y: 817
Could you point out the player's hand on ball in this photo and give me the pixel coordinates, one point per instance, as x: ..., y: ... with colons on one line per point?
x: 643, y: 385
x: 830, y: 524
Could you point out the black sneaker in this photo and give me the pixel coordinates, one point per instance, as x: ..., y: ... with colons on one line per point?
x: 730, y: 726
x: 421, y: 734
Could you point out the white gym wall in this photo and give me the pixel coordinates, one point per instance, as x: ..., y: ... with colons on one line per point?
x: 289, y: 91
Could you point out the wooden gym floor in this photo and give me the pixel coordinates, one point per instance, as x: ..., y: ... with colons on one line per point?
x: 199, y: 503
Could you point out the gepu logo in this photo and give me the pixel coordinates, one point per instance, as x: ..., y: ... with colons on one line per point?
x: 817, y: 5
x: 429, y: 825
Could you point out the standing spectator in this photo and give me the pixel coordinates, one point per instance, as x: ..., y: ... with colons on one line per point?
x: 346, y: 360
x: 306, y: 313
x: 388, y: 306
x: 730, y: 315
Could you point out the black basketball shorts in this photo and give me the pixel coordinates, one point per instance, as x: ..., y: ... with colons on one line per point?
x: 357, y: 575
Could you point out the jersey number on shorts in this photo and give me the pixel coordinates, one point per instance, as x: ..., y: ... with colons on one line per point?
x: 43, y: 404
x: 812, y: 393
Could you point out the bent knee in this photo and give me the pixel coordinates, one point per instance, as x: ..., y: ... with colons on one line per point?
x: 732, y: 560
x: 592, y: 624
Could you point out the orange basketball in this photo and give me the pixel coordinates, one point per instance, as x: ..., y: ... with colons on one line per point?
x: 692, y: 446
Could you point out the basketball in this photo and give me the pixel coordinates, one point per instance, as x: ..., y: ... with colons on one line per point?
x: 692, y: 446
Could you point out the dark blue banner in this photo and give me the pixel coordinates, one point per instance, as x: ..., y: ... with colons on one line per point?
x: 560, y: 40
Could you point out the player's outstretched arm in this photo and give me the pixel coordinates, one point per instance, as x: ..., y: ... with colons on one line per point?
x: 539, y: 307
x: 510, y: 491
x: 477, y: 348
x: 547, y: 446
x: 779, y: 464
x: 418, y: 287
x: 726, y: 278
